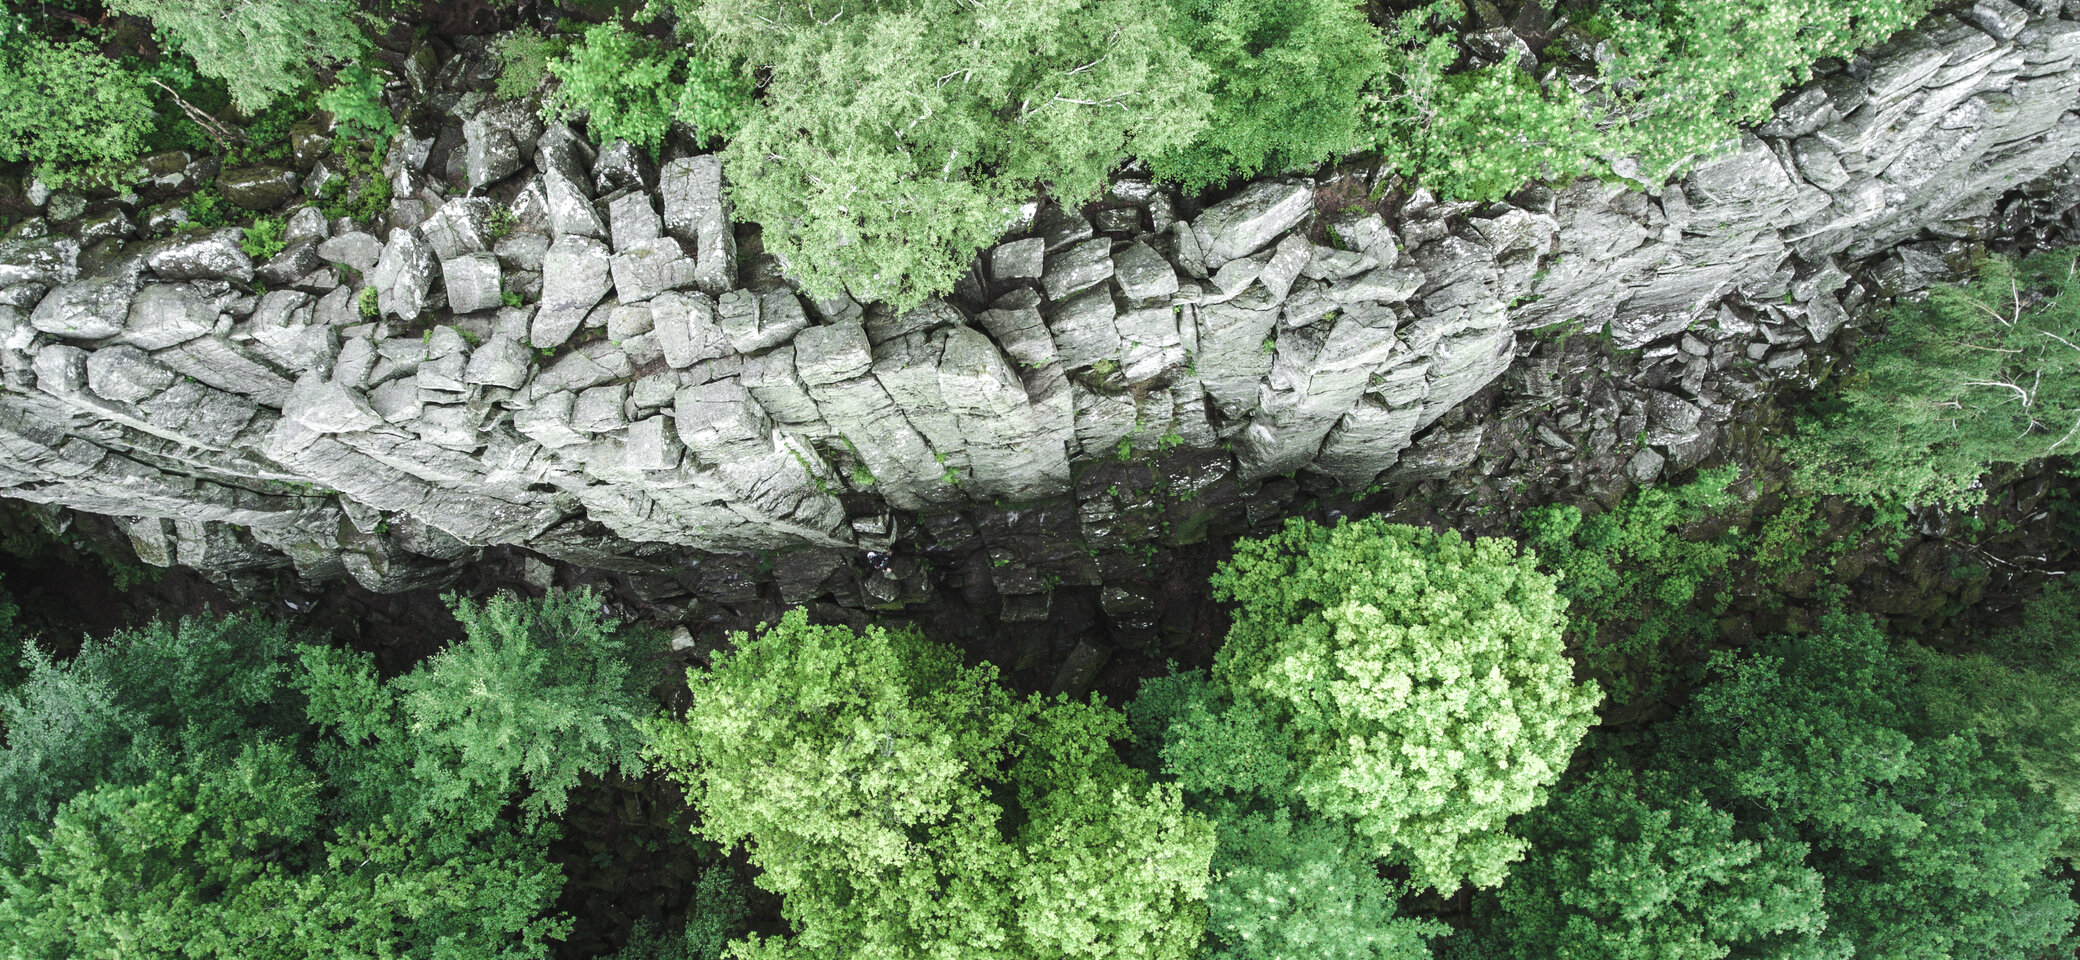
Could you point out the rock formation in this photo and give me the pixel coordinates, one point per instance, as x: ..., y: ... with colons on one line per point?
x: 664, y: 396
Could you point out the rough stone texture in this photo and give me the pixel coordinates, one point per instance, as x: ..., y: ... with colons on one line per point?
x: 1229, y: 347
x: 404, y: 276
x: 210, y: 256
x: 471, y: 282
x: 576, y: 274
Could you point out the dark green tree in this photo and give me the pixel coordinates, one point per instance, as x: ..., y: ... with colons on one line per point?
x: 1979, y: 373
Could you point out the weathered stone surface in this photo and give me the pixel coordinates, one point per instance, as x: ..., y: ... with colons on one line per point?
x: 165, y: 314
x: 353, y: 249
x: 1078, y: 268
x: 258, y: 188
x: 1143, y: 274
x: 1019, y: 259
x: 472, y: 282
x: 89, y: 309
x: 501, y: 362
x: 686, y: 328
x: 126, y: 374
x: 753, y: 322
x: 632, y: 217
x: 49, y: 260
x: 404, y: 276
x: 324, y: 406
x: 1230, y: 329
x: 645, y: 268
x: 1250, y: 220
x: 461, y: 226
x: 576, y: 275
x: 695, y: 211
x: 210, y: 256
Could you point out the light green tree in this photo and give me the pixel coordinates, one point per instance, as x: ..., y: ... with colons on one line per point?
x: 1420, y: 678
x: 905, y: 806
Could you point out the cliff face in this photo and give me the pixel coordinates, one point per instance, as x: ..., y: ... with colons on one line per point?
x: 663, y: 405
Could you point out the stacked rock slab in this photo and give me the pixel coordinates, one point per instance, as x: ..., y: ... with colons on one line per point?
x: 658, y: 393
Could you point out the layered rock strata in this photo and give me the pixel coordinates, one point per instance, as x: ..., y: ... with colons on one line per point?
x: 365, y: 403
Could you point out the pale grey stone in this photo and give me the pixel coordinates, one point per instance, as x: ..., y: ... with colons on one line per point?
x: 126, y: 374
x: 1018, y: 260
x: 633, y: 219
x: 49, y: 260
x: 695, y: 210
x: 1143, y: 274
x: 356, y: 249
x: 575, y: 276
x: 461, y: 226
x: 686, y: 329
x: 1083, y: 329
x: 501, y: 362
x: 88, y: 309
x: 323, y: 406
x: 753, y: 322
x: 472, y: 282
x: 207, y: 256
x: 600, y: 409
x: 1250, y: 220
x: 829, y: 354
x: 522, y: 251
x: 1287, y: 260
x: 403, y: 277
x: 626, y: 322
x: 1077, y: 268
x: 713, y: 416
x: 645, y: 268
x: 548, y: 421
x: 653, y: 444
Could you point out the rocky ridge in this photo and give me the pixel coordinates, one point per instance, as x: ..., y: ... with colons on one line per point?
x: 667, y: 406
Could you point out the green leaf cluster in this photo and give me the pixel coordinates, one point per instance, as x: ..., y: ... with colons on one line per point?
x: 1927, y: 846
x: 219, y: 789
x: 1682, y: 78
x: 1420, y: 678
x: 1979, y: 373
x: 629, y: 88
x: 1631, y: 868
x: 905, y: 805
x: 1287, y: 83
x: 73, y: 115
x: 261, y: 49
x: 355, y: 101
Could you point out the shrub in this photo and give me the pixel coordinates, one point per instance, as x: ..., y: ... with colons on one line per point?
x: 1635, y: 583
x: 73, y: 115
x: 1286, y: 82
x: 122, y: 705
x: 629, y: 89
x: 524, y: 56
x: 171, y: 791
x: 1289, y: 887
x: 1421, y: 678
x: 1980, y: 373
x: 355, y: 101
x: 1683, y: 77
x: 263, y: 239
x: 904, y: 805
x: 261, y: 49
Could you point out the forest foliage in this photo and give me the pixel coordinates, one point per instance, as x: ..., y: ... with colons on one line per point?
x: 881, y: 148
